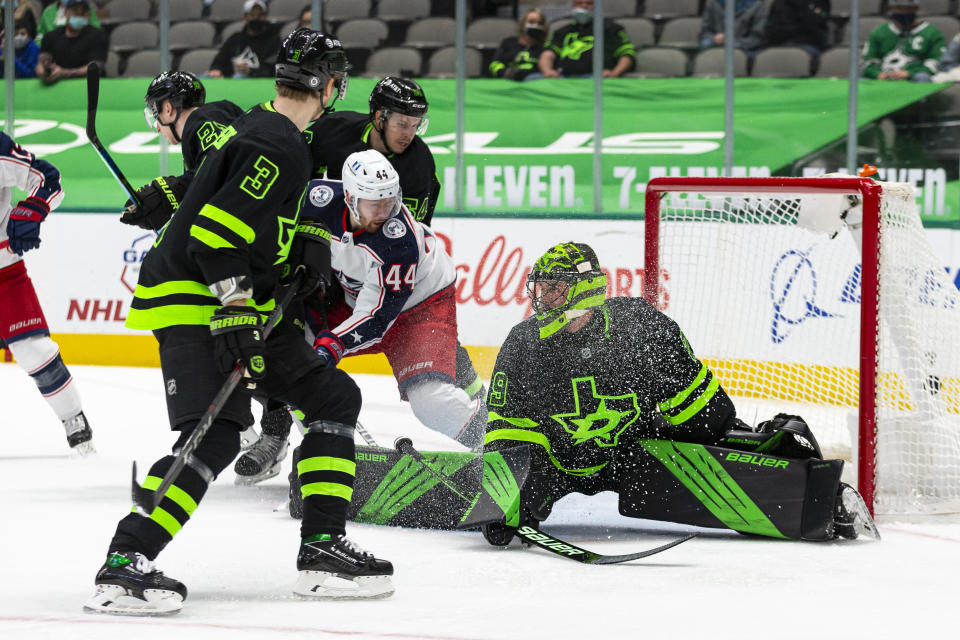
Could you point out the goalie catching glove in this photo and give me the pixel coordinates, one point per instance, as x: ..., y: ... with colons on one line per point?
x: 158, y: 202
x: 238, y: 335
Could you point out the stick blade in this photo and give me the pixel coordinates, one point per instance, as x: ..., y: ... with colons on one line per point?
x: 599, y: 559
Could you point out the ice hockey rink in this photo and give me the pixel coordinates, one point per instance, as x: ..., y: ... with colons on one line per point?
x: 237, y: 554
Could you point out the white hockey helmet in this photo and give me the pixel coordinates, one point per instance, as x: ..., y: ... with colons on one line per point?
x: 370, y: 176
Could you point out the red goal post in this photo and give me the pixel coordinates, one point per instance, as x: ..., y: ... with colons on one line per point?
x: 798, y: 308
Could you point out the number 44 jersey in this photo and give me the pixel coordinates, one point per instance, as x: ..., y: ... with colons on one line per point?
x: 382, y: 273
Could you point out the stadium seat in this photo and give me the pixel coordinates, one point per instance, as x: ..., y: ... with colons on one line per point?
x: 339, y: 10
x: 681, y: 32
x: 487, y: 33
x: 143, y: 64
x: 660, y: 62
x: 197, y: 61
x: 431, y: 33
x: 934, y: 7
x: 223, y: 11
x: 948, y: 25
x: 133, y: 36
x: 394, y: 61
x: 866, y: 26
x: 619, y: 8
x: 181, y: 10
x: 782, y: 62
x: 192, y: 34
x: 119, y: 11
x: 835, y: 63
x: 286, y: 10
x: 443, y: 63
x: 288, y: 28
x: 640, y: 31
x: 230, y: 29
x: 710, y: 63
x: 112, y: 68
x: 403, y: 10
x: 660, y: 9
x: 841, y: 8
x: 365, y: 33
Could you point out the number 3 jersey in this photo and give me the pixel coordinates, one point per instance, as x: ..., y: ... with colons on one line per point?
x: 383, y: 273
x: 236, y: 220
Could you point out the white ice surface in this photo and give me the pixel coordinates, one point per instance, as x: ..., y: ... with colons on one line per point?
x: 237, y: 555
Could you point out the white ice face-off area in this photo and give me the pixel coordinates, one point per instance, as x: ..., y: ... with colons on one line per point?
x: 238, y: 557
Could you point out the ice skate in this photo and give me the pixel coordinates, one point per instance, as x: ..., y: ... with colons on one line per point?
x: 262, y: 460
x: 335, y: 567
x: 249, y: 437
x: 128, y: 584
x: 852, y: 518
x: 79, y: 435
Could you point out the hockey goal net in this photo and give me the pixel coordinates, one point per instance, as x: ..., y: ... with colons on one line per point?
x: 798, y: 308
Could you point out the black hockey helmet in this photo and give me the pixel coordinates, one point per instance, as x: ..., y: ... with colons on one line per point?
x: 181, y: 88
x: 399, y: 95
x: 308, y: 58
x: 574, y: 264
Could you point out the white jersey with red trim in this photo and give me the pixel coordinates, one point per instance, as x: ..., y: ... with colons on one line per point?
x: 38, y: 178
x: 382, y: 273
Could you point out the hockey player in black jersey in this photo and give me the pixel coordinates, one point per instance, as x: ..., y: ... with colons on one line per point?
x: 204, y: 290
x: 176, y: 107
x: 609, y: 396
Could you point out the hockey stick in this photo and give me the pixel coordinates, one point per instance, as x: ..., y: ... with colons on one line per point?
x: 533, y: 535
x: 146, y: 500
x: 93, y: 98
x: 366, y: 435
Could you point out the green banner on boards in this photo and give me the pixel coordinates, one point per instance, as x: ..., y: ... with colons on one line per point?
x: 528, y: 146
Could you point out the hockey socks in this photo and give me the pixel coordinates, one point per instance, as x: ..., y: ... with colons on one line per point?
x: 326, y: 469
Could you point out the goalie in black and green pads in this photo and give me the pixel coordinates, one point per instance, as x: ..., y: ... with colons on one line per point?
x: 609, y: 396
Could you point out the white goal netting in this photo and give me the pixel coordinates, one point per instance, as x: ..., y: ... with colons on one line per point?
x: 774, y: 307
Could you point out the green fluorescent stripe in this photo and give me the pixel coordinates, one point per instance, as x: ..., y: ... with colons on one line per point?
x: 678, y: 399
x: 624, y: 50
x: 474, y: 386
x: 524, y: 423
x: 534, y: 437
x: 170, y: 288
x: 333, y: 489
x: 695, y: 406
x: 326, y: 463
x: 406, y: 481
x: 169, y: 315
x: 209, y: 238
x: 710, y: 483
x: 230, y: 221
x: 183, y: 499
x: 499, y: 483
x: 170, y: 524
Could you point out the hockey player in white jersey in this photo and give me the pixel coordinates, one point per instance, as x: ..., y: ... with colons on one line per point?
x: 22, y: 323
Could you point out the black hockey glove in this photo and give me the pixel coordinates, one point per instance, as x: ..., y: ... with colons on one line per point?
x: 310, y: 256
x: 158, y: 202
x: 238, y: 335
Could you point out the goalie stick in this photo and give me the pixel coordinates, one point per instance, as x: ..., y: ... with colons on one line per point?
x: 146, y: 500
x: 93, y: 98
x: 533, y: 535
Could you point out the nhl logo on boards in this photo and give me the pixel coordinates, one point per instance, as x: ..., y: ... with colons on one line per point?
x: 172, y: 387
x: 393, y: 228
x: 321, y: 196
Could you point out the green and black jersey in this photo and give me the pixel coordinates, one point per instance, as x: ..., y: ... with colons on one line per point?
x: 514, y: 60
x: 573, y: 45
x: 891, y: 49
x: 336, y: 135
x: 237, y: 219
x: 630, y: 373
x: 202, y: 128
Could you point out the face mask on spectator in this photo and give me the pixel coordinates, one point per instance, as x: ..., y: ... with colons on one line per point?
x: 534, y: 30
x: 20, y: 41
x: 256, y: 27
x: 78, y: 22
x: 582, y: 16
x: 904, y: 20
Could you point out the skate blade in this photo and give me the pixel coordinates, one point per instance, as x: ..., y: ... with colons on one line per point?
x: 83, y: 449
x: 115, y: 600
x: 246, y: 481
x: 321, y: 585
x: 863, y: 524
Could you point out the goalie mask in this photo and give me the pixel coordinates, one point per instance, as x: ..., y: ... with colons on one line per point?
x: 371, y: 187
x: 181, y: 88
x: 564, y: 284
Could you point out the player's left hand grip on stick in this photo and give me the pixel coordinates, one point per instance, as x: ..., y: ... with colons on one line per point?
x: 238, y: 335
x: 23, y: 227
x: 159, y: 200
x: 328, y: 347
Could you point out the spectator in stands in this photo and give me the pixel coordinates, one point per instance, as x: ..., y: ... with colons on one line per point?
x: 26, y: 51
x: 904, y: 48
x: 252, y: 51
x: 950, y: 59
x: 569, y: 50
x: 799, y: 23
x: 750, y: 26
x: 516, y: 57
x: 66, y: 51
x: 56, y: 16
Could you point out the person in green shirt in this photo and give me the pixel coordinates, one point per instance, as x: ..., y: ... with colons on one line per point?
x: 569, y: 50
x: 55, y: 16
x: 905, y: 48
